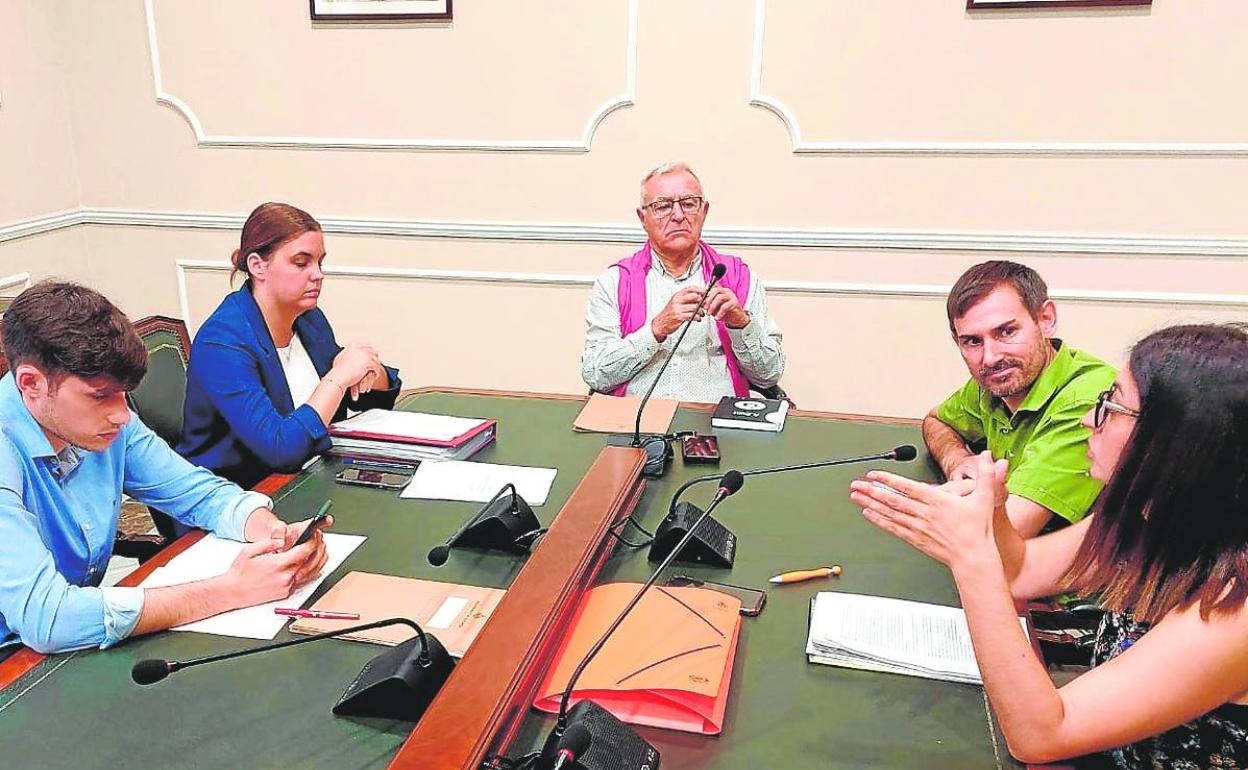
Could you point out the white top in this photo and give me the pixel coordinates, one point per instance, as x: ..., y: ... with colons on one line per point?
x: 699, y: 370
x: 301, y: 376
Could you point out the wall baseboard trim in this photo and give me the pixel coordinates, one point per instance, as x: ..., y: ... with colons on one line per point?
x: 860, y: 290
x: 578, y: 145
x: 802, y: 146
x: 1039, y: 244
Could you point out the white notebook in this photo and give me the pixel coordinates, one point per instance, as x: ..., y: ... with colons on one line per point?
x: 876, y: 633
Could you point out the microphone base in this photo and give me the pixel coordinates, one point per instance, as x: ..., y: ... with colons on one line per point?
x: 615, y: 745
x: 394, y: 685
x: 712, y: 544
x: 497, y: 528
x: 658, y: 451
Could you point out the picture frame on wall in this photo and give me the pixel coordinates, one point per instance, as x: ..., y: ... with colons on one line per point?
x: 380, y: 10
x: 976, y: 5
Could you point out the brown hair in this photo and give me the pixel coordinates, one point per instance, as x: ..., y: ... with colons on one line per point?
x: 980, y: 281
x: 1173, y: 530
x: 66, y: 329
x: 267, y: 227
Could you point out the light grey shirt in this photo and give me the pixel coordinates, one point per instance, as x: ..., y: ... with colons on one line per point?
x: 699, y: 370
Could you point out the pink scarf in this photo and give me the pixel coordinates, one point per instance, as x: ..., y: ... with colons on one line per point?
x: 631, y: 297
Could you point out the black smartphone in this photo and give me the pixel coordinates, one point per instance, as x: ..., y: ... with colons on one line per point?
x: 378, y: 479
x: 316, y: 523
x: 752, y: 599
x: 699, y: 449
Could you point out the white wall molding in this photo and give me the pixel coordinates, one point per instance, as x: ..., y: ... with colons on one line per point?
x: 581, y: 144
x: 861, y: 290
x: 10, y: 281
x: 1105, y: 149
x: 1039, y: 244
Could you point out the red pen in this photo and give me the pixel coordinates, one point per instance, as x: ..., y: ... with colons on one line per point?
x: 316, y: 614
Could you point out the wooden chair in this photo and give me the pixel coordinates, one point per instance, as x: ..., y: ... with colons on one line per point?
x: 159, y: 397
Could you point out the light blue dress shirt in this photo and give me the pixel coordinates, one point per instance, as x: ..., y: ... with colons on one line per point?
x: 58, y: 520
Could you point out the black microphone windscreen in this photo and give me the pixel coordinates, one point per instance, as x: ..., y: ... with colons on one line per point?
x: 149, y: 671
x: 732, y: 482
x: 905, y: 453
x: 438, y: 555
x: 576, y: 740
x: 719, y: 271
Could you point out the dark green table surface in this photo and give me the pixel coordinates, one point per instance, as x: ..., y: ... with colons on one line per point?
x: 80, y: 710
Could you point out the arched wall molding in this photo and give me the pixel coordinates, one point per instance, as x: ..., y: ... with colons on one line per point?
x: 802, y: 146
x: 17, y: 279
x: 582, y: 144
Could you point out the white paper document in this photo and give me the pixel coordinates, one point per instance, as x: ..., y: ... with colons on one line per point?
x: 478, y: 482
x: 893, y: 635
x: 414, y: 425
x: 212, y: 556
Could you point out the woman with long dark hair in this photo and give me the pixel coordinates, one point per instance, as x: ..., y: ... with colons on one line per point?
x: 1167, y: 553
x: 266, y: 375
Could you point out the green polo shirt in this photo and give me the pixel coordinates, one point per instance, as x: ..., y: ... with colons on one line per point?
x: 1045, y: 440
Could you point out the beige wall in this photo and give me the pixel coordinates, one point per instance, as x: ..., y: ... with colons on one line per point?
x: 889, y: 145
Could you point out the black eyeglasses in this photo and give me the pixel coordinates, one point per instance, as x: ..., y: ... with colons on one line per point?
x: 663, y: 207
x: 1104, y: 406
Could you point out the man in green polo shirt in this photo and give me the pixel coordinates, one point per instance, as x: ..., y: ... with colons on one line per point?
x: 1025, y: 400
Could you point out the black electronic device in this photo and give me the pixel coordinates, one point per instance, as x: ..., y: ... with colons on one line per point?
x: 752, y: 599
x: 373, y: 477
x: 658, y: 449
x: 712, y: 544
x: 397, y: 684
x: 503, y: 524
x: 616, y: 746
x: 699, y: 449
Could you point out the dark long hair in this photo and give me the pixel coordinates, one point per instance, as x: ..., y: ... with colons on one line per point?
x: 1173, y: 528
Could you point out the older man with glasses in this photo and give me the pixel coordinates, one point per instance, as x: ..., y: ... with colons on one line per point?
x: 639, y: 304
x: 1026, y: 399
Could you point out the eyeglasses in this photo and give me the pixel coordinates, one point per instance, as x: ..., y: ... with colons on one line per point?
x: 1104, y: 406
x: 663, y: 208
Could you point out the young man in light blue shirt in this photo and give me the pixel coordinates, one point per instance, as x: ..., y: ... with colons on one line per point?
x: 69, y: 448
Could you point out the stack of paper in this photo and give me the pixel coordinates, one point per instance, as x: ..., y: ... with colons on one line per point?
x: 410, y: 436
x: 892, y: 635
x: 478, y: 482
x: 212, y: 556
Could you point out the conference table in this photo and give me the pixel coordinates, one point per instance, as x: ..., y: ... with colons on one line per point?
x: 81, y: 709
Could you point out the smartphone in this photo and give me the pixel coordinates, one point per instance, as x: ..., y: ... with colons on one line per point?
x: 378, y: 479
x: 752, y: 599
x: 316, y: 523
x: 698, y: 449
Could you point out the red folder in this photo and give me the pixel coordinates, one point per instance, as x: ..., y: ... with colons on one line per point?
x: 669, y: 664
x: 343, y: 430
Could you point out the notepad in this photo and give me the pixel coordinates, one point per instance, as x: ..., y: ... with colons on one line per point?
x: 212, y: 556
x: 478, y: 482
x: 896, y: 636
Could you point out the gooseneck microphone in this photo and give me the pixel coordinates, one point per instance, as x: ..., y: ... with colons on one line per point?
x: 594, y: 716
x: 716, y: 275
x: 400, y: 683
x: 500, y: 524
x: 904, y: 454
x: 153, y: 670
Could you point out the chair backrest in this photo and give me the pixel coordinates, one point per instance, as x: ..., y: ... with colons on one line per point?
x: 159, y: 397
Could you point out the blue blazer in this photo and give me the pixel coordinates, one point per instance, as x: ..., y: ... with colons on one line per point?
x: 239, y: 420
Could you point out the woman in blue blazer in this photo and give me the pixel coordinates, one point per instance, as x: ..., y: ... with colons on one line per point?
x: 266, y: 375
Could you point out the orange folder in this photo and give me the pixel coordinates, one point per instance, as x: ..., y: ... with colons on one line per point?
x: 618, y: 414
x: 668, y: 665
